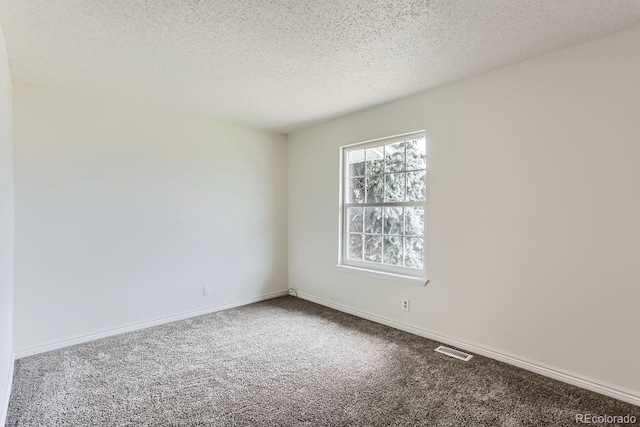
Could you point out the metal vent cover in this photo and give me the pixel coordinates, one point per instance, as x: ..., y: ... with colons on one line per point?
x: 454, y: 353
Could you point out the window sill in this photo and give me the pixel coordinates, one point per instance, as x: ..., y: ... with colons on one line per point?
x: 417, y: 281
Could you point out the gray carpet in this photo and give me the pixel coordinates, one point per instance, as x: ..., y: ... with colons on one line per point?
x: 284, y: 362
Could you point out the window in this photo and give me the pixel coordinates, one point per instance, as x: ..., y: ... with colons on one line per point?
x: 383, y: 206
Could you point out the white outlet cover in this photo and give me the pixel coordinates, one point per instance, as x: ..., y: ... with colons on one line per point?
x: 206, y: 290
x: 406, y: 304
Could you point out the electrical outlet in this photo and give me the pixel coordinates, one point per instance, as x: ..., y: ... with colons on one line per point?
x: 206, y: 290
x: 405, y: 304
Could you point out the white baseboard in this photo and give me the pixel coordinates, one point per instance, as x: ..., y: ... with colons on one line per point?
x: 111, y: 332
x: 7, y: 392
x: 556, y: 374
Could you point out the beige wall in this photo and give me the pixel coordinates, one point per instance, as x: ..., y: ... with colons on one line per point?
x: 6, y: 229
x: 124, y: 212
x: 533, y: 213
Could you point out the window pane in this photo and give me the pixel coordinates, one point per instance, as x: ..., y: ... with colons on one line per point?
x: 373, y: 220
x: 373, y: 248
x: 354, y: 251
x: 392, y: 220
x: 375, y: 189
x: 387, y: 178
x: 394, y: 157
x: 416, y: 154
x: 375, y: 162
x: 392, y: 250
x: 355, y: 162
x: 416, y: 188
x: 355, y: 190
x: 354, y: 220
x: 414, y: 252
x: 394, y: 187
x: 414, y: 221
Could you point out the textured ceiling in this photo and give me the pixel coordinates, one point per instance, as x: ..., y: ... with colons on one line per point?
x: 284, y: 64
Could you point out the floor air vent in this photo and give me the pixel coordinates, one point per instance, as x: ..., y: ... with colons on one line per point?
x: 454, y: 353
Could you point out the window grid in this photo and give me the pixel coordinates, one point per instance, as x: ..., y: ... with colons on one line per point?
x: 382, y: 175
x: 405, y: 170
x: 403, y: 235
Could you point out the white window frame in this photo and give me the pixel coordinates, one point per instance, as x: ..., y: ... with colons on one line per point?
x: 386, y: 271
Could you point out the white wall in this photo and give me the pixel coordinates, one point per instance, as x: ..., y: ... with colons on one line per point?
x: 124, y: 212
x: 6, y: 229
x: 533, y: 211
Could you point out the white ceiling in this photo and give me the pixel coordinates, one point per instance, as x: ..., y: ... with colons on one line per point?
x: 284, y: 64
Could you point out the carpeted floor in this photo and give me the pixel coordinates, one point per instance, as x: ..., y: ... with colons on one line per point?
x: 285, y: 362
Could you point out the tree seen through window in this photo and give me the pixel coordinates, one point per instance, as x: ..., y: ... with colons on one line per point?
x: 385, y: 191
